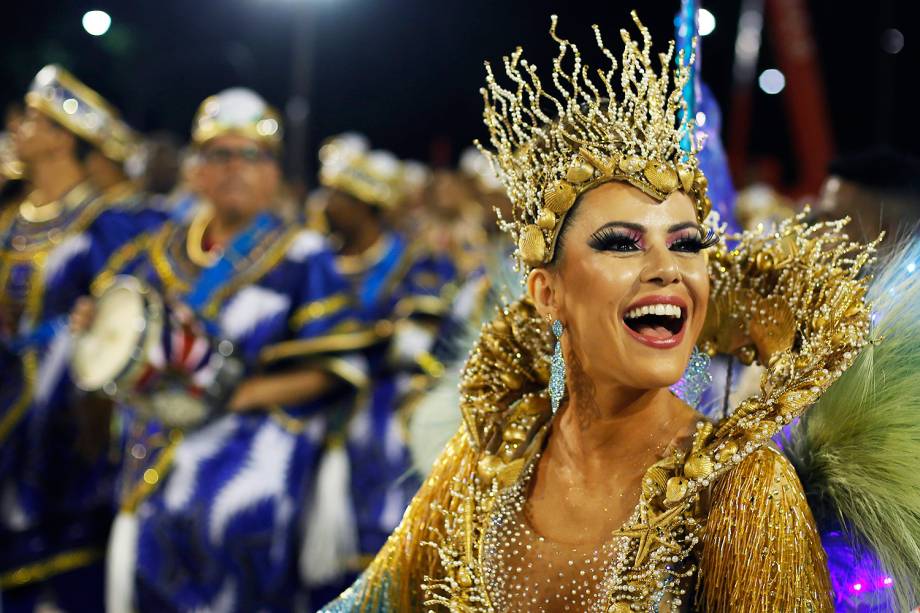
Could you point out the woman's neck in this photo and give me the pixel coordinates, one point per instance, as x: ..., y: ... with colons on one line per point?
x: 54, y: 176
x: 607, y: 423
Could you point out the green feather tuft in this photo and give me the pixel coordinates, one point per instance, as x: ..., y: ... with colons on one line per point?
x: 856, y: 450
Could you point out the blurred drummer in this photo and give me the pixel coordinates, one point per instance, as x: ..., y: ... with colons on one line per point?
x: 55, y: 473
x: 212, y: 518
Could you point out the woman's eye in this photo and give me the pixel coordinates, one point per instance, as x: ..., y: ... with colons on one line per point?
x: 692, y: 242
x: 614, y: 241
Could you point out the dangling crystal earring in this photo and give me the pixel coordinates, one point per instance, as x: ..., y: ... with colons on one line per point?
x: 557, y: 369
x: 696, y: 380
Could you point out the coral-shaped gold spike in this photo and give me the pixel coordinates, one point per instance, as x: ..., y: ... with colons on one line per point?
x: 557, y: 139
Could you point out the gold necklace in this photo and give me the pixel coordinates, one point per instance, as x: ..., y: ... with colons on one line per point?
x: 34, y: 213
x: 42, y: 213
x: 194, y: 239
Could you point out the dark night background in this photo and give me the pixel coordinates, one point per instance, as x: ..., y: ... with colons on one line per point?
x: 407, y: 72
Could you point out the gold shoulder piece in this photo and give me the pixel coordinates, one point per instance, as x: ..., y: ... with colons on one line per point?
x: 761, y: 550
x: 794, y: 300
x: 508, y: 364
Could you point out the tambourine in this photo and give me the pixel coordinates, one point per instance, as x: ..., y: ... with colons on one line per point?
x: 114, y: 354
x: 124, y: 355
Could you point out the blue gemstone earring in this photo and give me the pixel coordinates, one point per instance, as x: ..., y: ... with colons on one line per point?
x: 696, y: 380
x: 557, y: 369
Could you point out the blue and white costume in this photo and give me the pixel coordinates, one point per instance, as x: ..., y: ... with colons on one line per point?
x: 56, y: 466
x: 220, y: 509
x: 403, y: 293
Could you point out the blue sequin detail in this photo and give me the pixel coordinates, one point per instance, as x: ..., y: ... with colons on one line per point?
x: 557, y: 369
x: 696, y: 379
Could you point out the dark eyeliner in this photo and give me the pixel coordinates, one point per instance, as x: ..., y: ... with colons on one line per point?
x: 613, y: 239
x: 695, y: 244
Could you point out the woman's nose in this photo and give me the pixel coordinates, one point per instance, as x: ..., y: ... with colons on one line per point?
x: 661, y: 268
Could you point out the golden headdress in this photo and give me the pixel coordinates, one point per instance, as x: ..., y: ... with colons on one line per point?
x: 65, y: 99
x: 237, y: 111
x: 375, y: 177
x: 551, y: 147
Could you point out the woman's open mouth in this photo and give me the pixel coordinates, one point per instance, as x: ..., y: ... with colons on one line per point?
x: 658, y: 323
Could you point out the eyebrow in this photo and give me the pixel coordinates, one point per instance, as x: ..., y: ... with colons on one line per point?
x: 640, y: 228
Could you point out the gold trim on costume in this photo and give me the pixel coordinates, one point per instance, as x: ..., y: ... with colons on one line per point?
x: 422, y: 304
x: 55, y: 565
x: 117, y: 261
x: 255, y: 271
x: 12, y: 417
x: 318, y: 309
x: 54, y: 235
x: 153, y: 476
x: 161, y: 264
x: 120, y: 192
x: 323, y: 344
x: 431, y: 365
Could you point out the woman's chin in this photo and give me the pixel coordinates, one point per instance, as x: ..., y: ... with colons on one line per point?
x: 654, y: 375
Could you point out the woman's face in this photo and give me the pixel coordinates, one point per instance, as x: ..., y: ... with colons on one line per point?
x: 631, y: 286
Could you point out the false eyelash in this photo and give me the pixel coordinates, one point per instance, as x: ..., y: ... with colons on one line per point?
x: 613, y: 239
x: 696, y: 244
x: 712, y: 238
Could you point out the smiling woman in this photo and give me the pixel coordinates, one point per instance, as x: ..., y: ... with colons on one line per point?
x: 626, y: 498
x: 629, y: 283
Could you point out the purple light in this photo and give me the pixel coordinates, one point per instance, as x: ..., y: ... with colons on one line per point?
x: 857, y: 587
x: 887, y: 581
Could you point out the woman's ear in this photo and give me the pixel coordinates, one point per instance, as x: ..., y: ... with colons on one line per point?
x: 543, y: 290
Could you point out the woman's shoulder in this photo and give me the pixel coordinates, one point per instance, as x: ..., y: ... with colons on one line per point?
x: 760, y: 531
x: 761, y: 474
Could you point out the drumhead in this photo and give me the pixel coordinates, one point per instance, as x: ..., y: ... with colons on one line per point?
x: 115, y: 338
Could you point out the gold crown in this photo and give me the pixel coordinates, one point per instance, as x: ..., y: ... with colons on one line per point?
x: 237, y: 111
x: 551, y: 147
x: 80, y: 109
x: 375, y: 177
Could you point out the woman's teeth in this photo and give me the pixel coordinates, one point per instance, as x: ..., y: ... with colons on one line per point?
x: 664, y: 310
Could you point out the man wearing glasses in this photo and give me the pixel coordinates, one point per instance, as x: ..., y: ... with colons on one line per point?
x: 211, y: 515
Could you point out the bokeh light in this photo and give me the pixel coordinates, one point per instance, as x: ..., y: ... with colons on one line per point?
x: 96, y: 23
x: 772, y: 81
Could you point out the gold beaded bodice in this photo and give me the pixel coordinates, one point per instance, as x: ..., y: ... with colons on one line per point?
x: 525, y: 571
